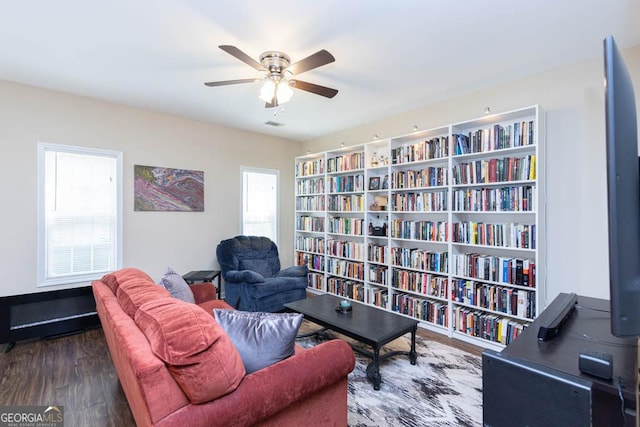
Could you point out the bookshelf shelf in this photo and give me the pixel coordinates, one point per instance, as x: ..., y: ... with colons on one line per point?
x: 442, y: 225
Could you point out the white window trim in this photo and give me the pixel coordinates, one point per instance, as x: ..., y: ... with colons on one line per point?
x: 275, y: 172
x: 43, y: 147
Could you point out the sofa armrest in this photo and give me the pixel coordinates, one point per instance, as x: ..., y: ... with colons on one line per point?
x: 246, y: 276
x: 295, y: 271
x: 268, y: 391
x: 203, y: 292
x: 294, y: 379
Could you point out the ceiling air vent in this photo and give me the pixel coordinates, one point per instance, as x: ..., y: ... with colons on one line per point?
x: 274, y: 124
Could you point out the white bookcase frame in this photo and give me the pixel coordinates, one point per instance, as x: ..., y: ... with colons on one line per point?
x: 340, y: 196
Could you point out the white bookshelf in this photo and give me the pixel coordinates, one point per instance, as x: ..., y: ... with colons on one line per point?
x: 429, y: 226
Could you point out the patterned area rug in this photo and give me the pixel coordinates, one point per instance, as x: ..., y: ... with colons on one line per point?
x: 444, y: 388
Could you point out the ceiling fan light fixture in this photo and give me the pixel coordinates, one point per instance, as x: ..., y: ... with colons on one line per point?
x: 268, y: 90
x: 276, y: 92
x: 283, y: 92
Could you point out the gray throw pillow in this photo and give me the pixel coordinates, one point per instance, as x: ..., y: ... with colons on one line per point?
x: 176, y: 286
x: 262, y: 339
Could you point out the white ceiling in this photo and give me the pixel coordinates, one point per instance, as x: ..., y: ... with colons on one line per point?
x: 391, y: 56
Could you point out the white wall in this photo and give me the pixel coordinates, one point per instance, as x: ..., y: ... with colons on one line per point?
x: 573, y: 98
x: 152, y: 240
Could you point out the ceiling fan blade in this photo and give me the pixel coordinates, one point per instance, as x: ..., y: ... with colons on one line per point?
x: 229, y: 82
x: 321, y: 57
x: 234, y: 51
x: 317, y: 89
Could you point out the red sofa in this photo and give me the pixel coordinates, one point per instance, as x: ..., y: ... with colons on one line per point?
x: 309, y: 387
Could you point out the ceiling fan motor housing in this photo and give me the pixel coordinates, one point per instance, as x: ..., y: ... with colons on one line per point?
x: 275, y: 63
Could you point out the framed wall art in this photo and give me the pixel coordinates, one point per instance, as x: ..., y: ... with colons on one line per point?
x: 166, y: 189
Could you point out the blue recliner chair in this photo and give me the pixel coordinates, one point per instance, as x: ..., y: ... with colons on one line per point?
x: 253, y: 281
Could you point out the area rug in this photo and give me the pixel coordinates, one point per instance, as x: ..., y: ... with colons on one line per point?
x: 444, y: 388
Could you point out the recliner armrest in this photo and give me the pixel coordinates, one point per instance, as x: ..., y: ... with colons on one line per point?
x: 295, y: 271
x: 246, y: 276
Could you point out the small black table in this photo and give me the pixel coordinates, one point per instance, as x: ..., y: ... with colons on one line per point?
x: 204, y: 276
x: 369, y: 325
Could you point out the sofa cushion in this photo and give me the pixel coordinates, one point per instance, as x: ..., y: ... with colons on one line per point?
x: 262, y: 339
x: 198, y: 353
x: 177, y: 286
x: 115, y: 279
x: 134, y: 292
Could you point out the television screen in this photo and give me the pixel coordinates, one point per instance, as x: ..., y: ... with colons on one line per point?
x: 623, y: 190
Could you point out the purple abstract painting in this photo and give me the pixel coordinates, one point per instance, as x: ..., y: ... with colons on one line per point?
x: 166, y: 189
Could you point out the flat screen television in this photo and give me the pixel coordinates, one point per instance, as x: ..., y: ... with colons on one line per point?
x: 623, y: 191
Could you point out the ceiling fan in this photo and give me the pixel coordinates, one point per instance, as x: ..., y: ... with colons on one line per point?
x: 279, y: 75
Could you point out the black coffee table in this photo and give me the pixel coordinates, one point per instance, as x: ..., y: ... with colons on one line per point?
x: 368, y: 325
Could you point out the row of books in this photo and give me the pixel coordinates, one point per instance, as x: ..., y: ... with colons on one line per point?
x: 345, y: 163
x: 486, y: 325
x: 310, y: 244
x: 495, y: 170
x: 433, y: 148
x: 430, y: 311
x: 422, y: 283
x: 422, y: 178
x: 316, y: 281
x: 419, y: 259
x: 310, y: 186
x: 378, y: 297
x: 346, y: 225
x: 345, y: 183
x: 377, y: 274
x: 504, y: 199
x: 344, y: 203
x: 434, y: 231
x: 346, y: 249
x: 377, y: 253
x: 514, y: 271
x: 511, y: 235
x: 310, y: 223
x: 312, y: 261
x: 310, y: 167
x: 428, y: 201
x: 310, y: 203
x: 516, y: 302
x: 496, y: 137
x: 346, y: 288
x: 341, y: 267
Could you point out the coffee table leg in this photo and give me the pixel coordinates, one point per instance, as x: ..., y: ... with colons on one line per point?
x: 373, y: 369
x: 413, y: 355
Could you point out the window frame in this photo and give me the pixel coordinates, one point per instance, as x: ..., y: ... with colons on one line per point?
x: 275, y: 172
x: 42, y: 149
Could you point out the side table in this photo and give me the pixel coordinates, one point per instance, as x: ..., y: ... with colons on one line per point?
x: 205, y: 276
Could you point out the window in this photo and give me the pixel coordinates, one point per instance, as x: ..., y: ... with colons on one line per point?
x: 260, y: 202
x: 79, y: 213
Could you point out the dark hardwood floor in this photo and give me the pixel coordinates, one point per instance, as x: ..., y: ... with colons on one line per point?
x: 73, y: 371
x: 76, y: 372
